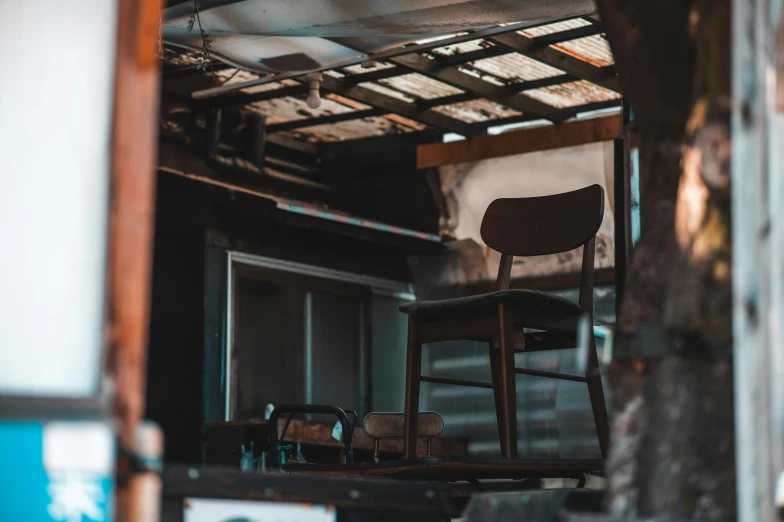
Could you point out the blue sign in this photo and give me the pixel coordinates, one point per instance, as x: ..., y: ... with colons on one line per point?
x: 56, y: 472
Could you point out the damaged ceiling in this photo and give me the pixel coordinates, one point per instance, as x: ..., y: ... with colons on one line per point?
x: 462, y: 82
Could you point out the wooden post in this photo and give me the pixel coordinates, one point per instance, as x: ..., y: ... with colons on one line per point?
x: 671, y: 439
x: 134, y: 148
x: 758, y: 238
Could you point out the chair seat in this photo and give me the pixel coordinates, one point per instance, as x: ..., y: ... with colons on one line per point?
x: 531, y: 301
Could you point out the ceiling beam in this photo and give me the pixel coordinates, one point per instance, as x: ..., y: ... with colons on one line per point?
x: 373, y: 76
x: 382, y: 55
x: 323, y: 120
x: 454, y: 76
x: 604, y: 76
x: 239, y: 99
x: 403, y: 108
x: 522, y: 118
x: 493, y: 51
x: 519, y: 142
x: 236, y: 99
x: 569, y: 34
x: 479, y: 127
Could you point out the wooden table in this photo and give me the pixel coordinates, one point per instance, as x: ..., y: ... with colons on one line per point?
x: 225, y: 439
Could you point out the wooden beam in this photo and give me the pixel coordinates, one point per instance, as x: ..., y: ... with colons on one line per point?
x: 382, y: 55
x: 322, y: 120
x: 454, y: 76
x: 388, y: 103
x: 603, y: 76
x: 547, y: 39
x: 239, y: 99
x: 134, y: 147
x: 519, y: 142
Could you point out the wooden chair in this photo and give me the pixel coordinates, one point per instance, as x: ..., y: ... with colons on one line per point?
x: 516, y: 227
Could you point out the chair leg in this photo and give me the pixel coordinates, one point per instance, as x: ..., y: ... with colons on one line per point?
x: 507, y: 384
x: 499, y: 411
x: 596, y: 393
x: 413, y: 373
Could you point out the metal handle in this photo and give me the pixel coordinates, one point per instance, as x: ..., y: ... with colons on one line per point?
x: 326, y: 409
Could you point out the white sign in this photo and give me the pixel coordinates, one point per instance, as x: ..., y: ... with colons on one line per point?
x: 55, y: 143
x: 219, y: 510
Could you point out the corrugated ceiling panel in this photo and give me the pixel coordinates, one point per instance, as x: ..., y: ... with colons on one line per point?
x: 572, y: 93
x: 516, y: 67
x: 463, y: 47
x: 592, y: 49
x: 359, y: 69
x: 474, y: 111
x: 232, y: 76
x: 349, y: 130
x: 556, y: 27
x: 420, y: 86
x: 386, y: 90
x: 281, y: 110
x: 437, y: 38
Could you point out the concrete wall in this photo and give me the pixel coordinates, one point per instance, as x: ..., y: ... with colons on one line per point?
x: 471, y: 187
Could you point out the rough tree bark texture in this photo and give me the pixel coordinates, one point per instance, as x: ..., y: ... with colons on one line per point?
x: 672, y: 444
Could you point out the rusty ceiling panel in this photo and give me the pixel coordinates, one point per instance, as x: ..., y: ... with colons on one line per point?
x: 420, y: 86
x: 231, y: 76
x: 349, y: 130
x: 592, y: 49
x: 359, y: 69
x: 556, y: 27
x: 280, y: 110
x: 381, y: 89
x: 516, y: 67
x: 412, y: 88
x: 572, y: 93
x: 474, y: 111
x: 463, y: 47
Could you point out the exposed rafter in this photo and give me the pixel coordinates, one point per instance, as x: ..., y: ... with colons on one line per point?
x: 453, y: 69
x: 383, y: 55
x: 495, y: 50
x: 454, y: 76
x: 604, y: 76
x: 388, y: 103
x: 323, y: 120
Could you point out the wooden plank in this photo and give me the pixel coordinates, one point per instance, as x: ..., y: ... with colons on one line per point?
x: 519, y: 142
x: 131, y: 225
x: 180, y: 482
x: 134, y: 148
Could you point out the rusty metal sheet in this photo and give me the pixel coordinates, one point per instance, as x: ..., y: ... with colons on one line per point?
x: 463, y: 47
x: 572, y: 93
x: 349, y: 130
x: 382, y: 89
x: 592, y: 49
x: 516, y: 67
x: 420, y: 86
x: 359, y: 69
x: 556, y: 27
x: 474, y: 111
x: 280, y: 110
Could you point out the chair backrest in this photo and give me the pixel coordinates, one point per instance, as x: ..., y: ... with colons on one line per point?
x: 543, y: 225
x: 392, y: 425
